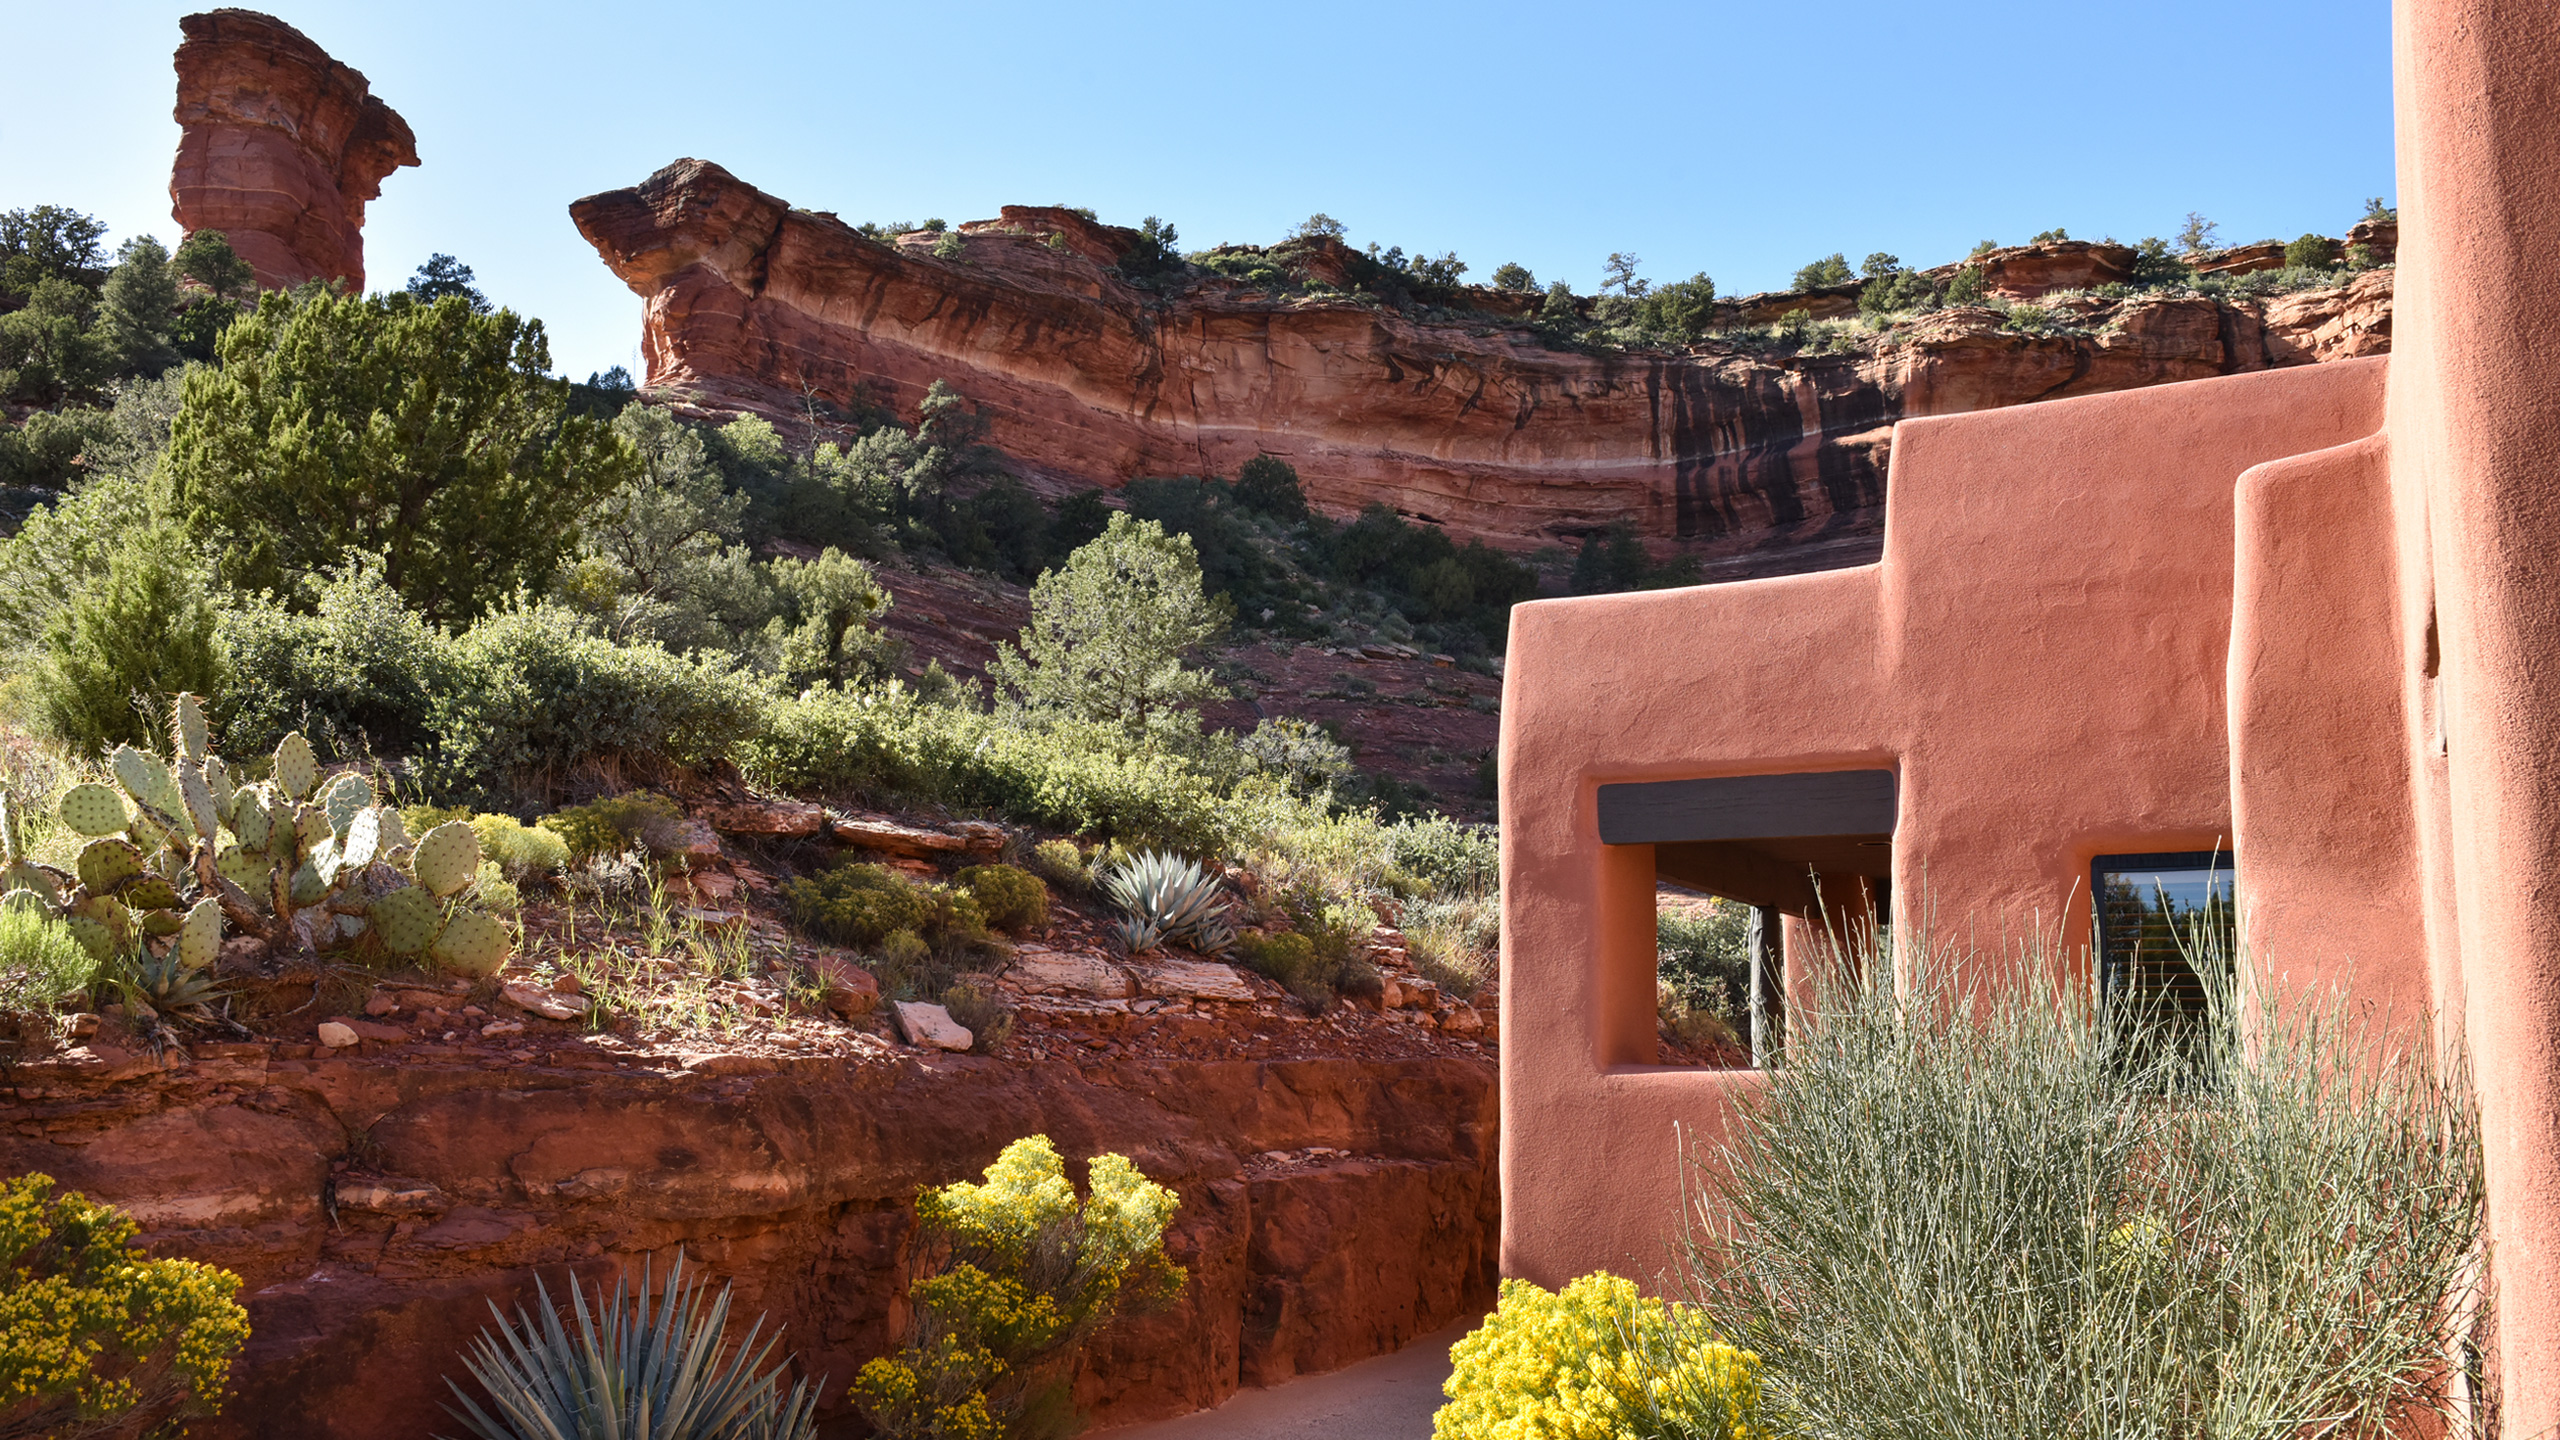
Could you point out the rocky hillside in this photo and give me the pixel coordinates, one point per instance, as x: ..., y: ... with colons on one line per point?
x: 1463, y: 415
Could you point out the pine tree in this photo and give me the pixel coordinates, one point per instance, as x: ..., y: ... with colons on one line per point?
x: 1110, y: 629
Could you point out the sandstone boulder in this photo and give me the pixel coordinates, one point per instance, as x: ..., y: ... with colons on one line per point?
x: 895, y: 837
x: 1172, y: 978
x: 849, y: 989
x: 1038, y: 970
x: 336, y: 1034
x: 280, y: 148
x: 930, y: 1026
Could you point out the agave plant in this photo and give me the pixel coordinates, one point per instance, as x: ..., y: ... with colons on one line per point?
x: 1166, y: 897
x: 630, y: 1373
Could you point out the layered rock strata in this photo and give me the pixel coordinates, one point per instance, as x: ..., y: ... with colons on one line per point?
x: 281, y: 147
x: 1471, y: 423
x: 1332, y: 1209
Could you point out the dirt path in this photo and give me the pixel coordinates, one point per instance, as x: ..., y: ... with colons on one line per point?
x: 1389, y: 1398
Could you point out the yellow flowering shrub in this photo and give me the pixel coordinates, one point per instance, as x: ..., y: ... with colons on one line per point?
x: 1597, y: 1361
x: 1012, y: 1276
x: 92, y: 1332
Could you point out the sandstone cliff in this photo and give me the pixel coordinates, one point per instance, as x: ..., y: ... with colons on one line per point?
x: 1332, y: 1209
x: 282, y: 147
x: 1469, y: 422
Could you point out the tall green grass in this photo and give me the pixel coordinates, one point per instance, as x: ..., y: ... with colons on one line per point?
x: 1976, y: 1208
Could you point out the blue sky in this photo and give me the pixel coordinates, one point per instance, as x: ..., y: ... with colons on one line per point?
x: 1738, y: 140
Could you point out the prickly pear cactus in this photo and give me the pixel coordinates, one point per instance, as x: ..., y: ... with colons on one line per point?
x: 179, y: 854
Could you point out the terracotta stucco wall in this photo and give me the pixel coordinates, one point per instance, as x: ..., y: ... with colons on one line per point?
x: 2475, y: 474
x: 2040, y: 654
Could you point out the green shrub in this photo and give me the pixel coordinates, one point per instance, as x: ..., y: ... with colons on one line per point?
x: 614, y: 824
x: 1965, y: 286
x: 1270, y: 485
x: 631, y: 1371
x: 520, y: 851
x: 862, y: 904
x: 1596, y: 1359
x: 1705, y: 957
x: 428, y: 434
x: 1832, y: 269
x: 887, y: 745
x: 1961, y: 1211
x: 1013, y: 899
x: 1453, y: 942
x: 1283, y: 956
x: 101, y: 1339
x: 2312, y: 252
x: 1064, y: 864
x: 359, y: 671
x: 141, y: 630
x: 41, y: 964
x: 535, y: 692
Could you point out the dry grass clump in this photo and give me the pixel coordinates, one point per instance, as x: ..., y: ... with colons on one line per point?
x: 1967, y: 1210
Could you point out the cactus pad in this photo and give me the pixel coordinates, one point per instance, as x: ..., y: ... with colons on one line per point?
x: 447, y: 858
x: 308, y: 887
x: 188, y: 734
x: 108, y: 863
x: 147, y: 780
x: 149, y: 893
x: 250, y: 820
x: 360, y: 840
x: 94, y: 937
x: 200, y: 936
x: 345, y: 796
x: 93, y: 809
x: 296, y: 769
x: 395, y: 831
x: 32, y: 878
x: 217, y: 778
x: 408, y: 920
x: 8, y: 829
x: 160, y: 922
x: 201, y: 809
x: 473, y: 944
x: 245, y: 868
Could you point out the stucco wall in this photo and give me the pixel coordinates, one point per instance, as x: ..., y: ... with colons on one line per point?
x: 2040, y: 654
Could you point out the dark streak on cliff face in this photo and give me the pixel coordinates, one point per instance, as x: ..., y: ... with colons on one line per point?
x: 1085, y: 379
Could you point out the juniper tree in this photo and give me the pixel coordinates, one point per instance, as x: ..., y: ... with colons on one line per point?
x: 427, y: 434
x: 1110, y: 629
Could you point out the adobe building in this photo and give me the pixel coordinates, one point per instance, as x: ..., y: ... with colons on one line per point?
x: 2301, y: 627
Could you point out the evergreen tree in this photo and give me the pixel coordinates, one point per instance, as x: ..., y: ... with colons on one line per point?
x: 427, y: 434
x: 138, y: 308
x: 1110, y: 629
x: 442, y: 277
x: 140, y: 632
x: 206, y: 257
x: 1270, y: 485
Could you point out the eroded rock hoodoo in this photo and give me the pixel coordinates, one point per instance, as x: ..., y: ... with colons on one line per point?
x: 1471, y: 422
x: 283, y: 147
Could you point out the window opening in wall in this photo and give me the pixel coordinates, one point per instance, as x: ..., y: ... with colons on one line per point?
x: 1703, y: 977
x: 2164, y: 929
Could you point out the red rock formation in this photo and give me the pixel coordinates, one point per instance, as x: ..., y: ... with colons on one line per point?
x: 282, y: 147
x: 1475, y: 424
x: 373, y: 1205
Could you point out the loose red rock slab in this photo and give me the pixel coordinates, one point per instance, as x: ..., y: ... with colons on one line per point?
x: 894, y: 837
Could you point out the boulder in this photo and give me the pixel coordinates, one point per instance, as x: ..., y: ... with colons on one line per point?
x: 280, y: 148
x: 336, y: 1034
x: 549, y: 1004
x: 1172, y: 978
x: 1463, y: 1021
x: 931, y: 1026
x: 895, y: 837
x: 1037, y: 970
x: 849, y: 989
